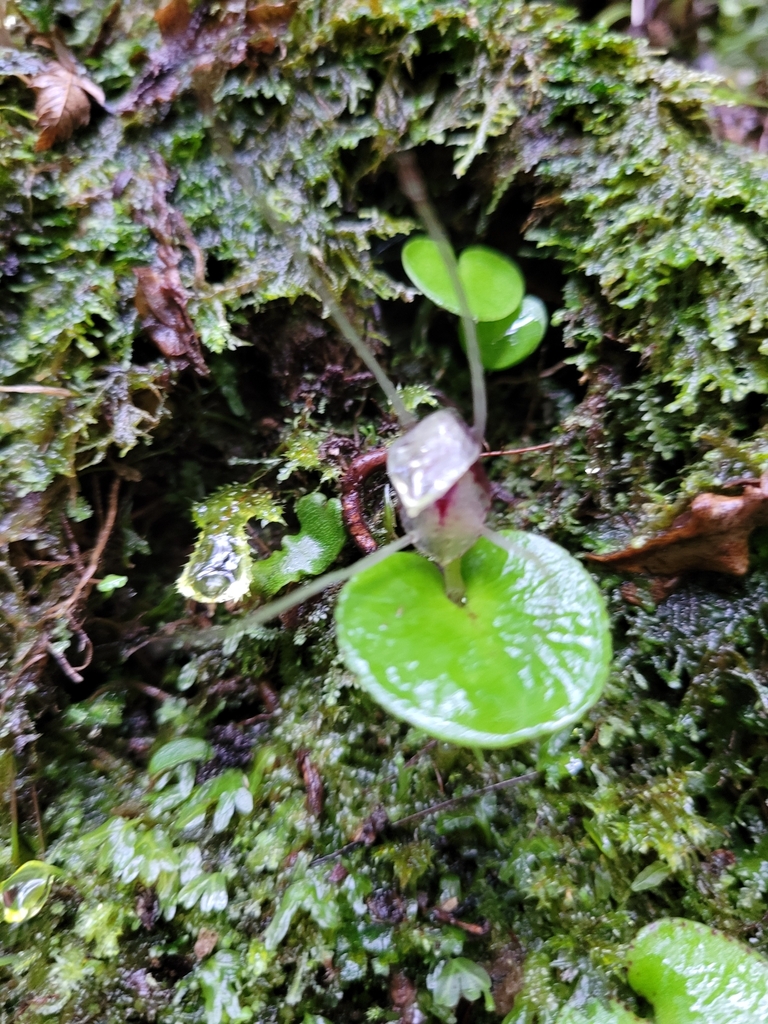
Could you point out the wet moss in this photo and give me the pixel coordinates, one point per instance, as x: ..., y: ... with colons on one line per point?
x: 527, y: 123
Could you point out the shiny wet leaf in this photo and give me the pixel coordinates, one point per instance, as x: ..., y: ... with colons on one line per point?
x: 492, y: 281
x: 694, y: 975
x: 527, y: 654
x: 307, y: 553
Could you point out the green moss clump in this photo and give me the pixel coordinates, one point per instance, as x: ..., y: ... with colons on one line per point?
x: 201, y: 895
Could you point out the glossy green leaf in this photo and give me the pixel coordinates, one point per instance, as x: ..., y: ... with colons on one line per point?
x: 25, y: 892
x: 229, y: 791
x: 527, y: 654
x: 694, y: 975
x: 171, y: 755
x: 110, y: 583
x: 492, y: 282
x: 210, y: 891
x: 596, y: 1013
x: 310, y: 551
x: 511, y: 340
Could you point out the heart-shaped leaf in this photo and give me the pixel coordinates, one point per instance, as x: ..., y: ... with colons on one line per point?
x: 492, y: 282
x: 694, y: 975
x: 526, y: 654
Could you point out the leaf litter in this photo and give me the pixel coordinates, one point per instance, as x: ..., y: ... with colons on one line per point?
x: 713, y: 535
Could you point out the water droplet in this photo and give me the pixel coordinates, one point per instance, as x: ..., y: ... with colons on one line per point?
x: 25, y: 892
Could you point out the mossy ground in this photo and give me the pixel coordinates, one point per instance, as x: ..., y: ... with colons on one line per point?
x: 593, y: 161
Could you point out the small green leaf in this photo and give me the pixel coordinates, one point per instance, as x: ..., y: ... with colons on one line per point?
x: 210, y: 891
x: 310, y: 551
x: 492, y: 282
x: 110, y: 583
x: 25, y: 892
x: 177, y: 752
x: 527, y: 654
x: 651, y: 877
x: 695, y: 975
x: 509, y: 341
x: 457, y: 979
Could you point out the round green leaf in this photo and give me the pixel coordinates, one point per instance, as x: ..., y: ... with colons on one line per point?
x: 509, y: 341
x: 694, y: 975
x: 526, y: 654
x: 493, y: 283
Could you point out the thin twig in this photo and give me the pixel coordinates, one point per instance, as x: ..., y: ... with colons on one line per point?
x: 455, y: 801
x: 72, y: 674
x: 519, y: 451
x: 96, y: 553
x: 35, y: 389
x: 427, y: 812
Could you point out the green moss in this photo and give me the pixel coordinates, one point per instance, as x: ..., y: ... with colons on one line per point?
x: 652, y: 807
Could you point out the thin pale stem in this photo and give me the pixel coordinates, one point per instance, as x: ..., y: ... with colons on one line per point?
x: 518, y: 451
x: 406, y: 418
x: 215, y: 634
x: 412, y: 184
x: 329, y: 579
x: 454, y: 581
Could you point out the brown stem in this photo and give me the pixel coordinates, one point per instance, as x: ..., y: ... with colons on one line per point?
x: 351, y: 498
x: 93, y: 563
x: 519, y: 451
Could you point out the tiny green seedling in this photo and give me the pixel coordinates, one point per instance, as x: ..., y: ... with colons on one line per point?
x: 509, y: 325
x: 482, y: 638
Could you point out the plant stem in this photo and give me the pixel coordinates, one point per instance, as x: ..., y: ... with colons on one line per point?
x: 454, y: 581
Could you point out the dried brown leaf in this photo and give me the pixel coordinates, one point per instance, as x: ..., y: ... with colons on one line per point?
x: 712, y: 535
x: 173, y: 19
x: 62, y: 103
x: 312, y: 782
x: 162, y: 305
x: 205, y: 943
x: 269, y: 21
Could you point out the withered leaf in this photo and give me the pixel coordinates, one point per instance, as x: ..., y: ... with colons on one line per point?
x: 507, y: 975
x: 268, y: 20
x: 312, y: 782
x: 205, y: 943
x: 712, y: 535
x: 173, y: 19
x: 62, y: 103
x: 162, y: 305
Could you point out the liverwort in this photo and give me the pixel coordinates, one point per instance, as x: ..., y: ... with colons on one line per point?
x: 482, y: 638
